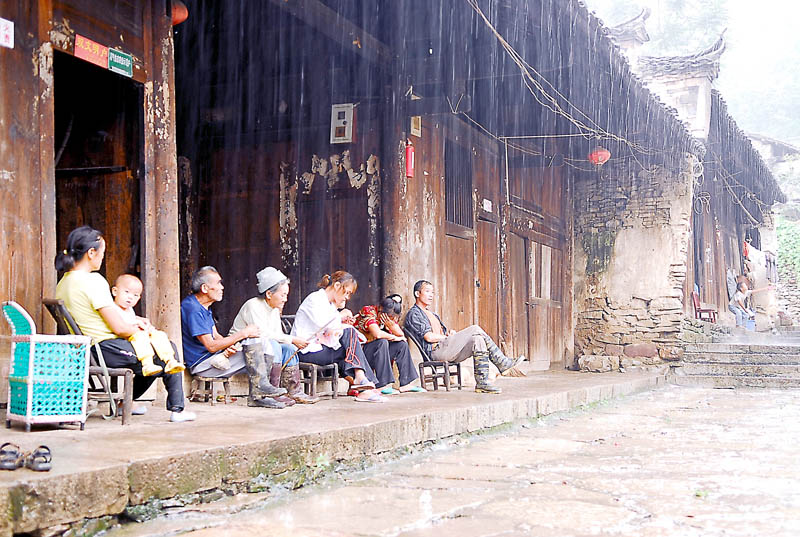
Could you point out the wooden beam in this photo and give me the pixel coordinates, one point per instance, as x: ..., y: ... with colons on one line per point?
x: 341, y: 30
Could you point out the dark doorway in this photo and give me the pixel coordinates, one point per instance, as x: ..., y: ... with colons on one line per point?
x: 98, y: 158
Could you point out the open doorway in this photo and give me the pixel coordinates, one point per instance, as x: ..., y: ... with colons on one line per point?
x: 98, y: 158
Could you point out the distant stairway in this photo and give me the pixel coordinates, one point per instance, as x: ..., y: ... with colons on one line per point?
x: 740, y: 365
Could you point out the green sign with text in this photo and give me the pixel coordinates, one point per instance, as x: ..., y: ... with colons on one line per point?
x: 120, y: 63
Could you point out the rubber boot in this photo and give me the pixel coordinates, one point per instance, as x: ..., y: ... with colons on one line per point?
x: 481, y: 363
x: 173, y: 366
x: 290, y: 379
x: 500, y: 360
x: 275, y: 380
x: 149, y: 368
x: 260, y: 389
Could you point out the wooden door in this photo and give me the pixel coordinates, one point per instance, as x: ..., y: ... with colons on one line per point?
x: 546, y: 285
x: 488, y: 289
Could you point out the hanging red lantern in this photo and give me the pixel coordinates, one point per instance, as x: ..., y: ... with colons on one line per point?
x: 409, y: 159
x: 599, y: 156
x: 179, y: 12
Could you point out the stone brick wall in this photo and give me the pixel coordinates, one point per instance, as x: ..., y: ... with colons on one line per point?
x: 631, y: 242
x: 788, y: 294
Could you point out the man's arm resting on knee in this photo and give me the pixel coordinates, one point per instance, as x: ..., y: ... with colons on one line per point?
x: 430, y: 337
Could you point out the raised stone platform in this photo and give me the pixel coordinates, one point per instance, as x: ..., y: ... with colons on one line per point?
x: 107, y: 467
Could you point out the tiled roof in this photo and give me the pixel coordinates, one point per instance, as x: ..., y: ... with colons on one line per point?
x: 703, y: 63
x: 631, y: 30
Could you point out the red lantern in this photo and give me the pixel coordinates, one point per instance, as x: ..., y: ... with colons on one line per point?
x: 409, y: 159
x: 179, y: 12
x: 599, y: 156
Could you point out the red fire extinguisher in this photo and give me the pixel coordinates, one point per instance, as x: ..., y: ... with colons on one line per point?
x: 409, y: 159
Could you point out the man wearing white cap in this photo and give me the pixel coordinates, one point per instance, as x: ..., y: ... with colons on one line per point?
x: 278, y: 349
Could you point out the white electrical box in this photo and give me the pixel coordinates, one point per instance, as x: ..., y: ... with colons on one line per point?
x: 342, y: 123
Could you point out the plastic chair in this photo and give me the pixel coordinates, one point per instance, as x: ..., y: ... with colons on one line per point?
x: 439, y: 370
x: 103, y: 381
x: 48, y: 375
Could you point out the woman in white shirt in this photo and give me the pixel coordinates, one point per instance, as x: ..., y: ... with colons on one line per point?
x: 279, y: 348
x: 319, y: 321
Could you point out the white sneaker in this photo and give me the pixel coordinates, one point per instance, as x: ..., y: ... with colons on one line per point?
x: 178, y: 417
x: 135, y: 411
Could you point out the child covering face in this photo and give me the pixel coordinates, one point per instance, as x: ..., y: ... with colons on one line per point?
x: 147, y: 341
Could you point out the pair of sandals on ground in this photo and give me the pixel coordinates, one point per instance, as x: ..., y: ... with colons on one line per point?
x: 12, y: 457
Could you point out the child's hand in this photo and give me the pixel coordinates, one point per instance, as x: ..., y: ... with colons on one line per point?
x: 332, y: 333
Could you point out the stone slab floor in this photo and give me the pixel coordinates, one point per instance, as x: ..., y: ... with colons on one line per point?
x: 677, y: 461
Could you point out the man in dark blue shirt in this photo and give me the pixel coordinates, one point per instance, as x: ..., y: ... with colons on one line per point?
x: 208, y: 354
x: 455, y: 346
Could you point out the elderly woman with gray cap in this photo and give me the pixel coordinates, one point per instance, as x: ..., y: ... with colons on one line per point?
x: 279, y: 348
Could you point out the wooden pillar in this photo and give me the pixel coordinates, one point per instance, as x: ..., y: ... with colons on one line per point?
x: 160, y: 265
x: 507, y: 321
x: 46, y: 167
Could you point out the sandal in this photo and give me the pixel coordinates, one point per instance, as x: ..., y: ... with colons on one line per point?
x: 39, y: 459
x: 361, y: 387
x: 11, y: 457
x: 374, y: 397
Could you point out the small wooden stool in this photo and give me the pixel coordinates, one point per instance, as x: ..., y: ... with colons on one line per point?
x: 439, y: 370
x: 311, y: 372
x: 209, y: 387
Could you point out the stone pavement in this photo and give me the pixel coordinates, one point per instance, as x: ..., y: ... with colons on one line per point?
x: 105, y: 468
x: 678, y: 461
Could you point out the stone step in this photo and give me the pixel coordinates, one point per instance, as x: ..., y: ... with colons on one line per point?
x: 725, y: 381
x: 740, y: 358
x: 740, y: 370
x: 742, y: 348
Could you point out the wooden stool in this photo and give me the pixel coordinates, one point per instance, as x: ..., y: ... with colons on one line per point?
x: 443, y: 371
x: 209, y: 387
x: 311, y: 372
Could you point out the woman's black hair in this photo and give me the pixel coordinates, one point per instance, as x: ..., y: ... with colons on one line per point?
x: 392, y: 305
x: 80, y: 240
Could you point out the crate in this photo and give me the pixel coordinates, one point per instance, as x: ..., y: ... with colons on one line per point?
x: 48, y: 374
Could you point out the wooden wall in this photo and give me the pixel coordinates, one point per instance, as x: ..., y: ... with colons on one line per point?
x: 26, y: 172
x: 28, y: 146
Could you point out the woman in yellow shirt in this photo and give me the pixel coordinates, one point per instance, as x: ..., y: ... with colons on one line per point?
x: 88, y: 298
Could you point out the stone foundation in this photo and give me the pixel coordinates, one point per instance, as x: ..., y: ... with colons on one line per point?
x: 631, y: 244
